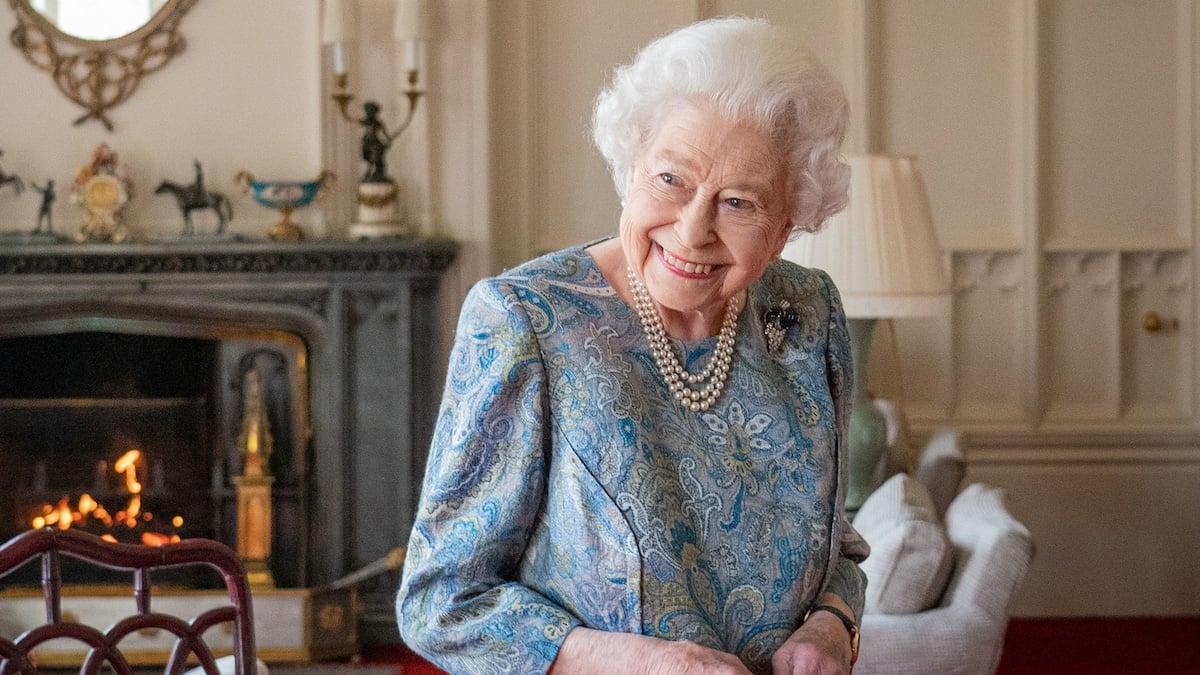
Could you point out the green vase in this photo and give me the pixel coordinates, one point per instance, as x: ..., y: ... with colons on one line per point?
x: 868, y: 428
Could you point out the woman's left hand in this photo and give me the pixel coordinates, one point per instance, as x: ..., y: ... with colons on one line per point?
x: 819, y: 647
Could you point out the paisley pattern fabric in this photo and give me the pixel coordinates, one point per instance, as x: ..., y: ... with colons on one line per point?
x: 566, y: 487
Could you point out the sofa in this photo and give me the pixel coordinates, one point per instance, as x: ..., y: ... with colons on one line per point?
x: 945, y: 566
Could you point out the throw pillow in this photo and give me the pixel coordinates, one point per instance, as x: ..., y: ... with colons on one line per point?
x: 941, y: 468
x: 910, y: 554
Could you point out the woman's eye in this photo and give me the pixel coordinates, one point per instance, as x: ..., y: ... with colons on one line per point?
x: 738, y: 203
x: 669, y: 178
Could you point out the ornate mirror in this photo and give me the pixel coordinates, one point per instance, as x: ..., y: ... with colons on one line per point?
x: 97, y: 51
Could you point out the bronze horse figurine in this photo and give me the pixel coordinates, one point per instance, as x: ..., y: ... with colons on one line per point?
x: 14, y: 179
x: 195, y: 196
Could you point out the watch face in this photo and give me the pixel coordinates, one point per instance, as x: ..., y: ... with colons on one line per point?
x: 103, y: 193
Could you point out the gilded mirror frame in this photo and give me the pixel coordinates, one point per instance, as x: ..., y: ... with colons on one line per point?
x: 99, y: 74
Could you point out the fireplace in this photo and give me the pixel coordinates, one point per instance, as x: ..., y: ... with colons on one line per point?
x: 166, y: 350
x: 108, y: 430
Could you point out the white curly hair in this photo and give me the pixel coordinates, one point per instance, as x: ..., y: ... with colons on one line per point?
x: 751, y: 72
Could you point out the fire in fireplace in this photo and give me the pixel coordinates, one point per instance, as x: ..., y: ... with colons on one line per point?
x: 129, y: 524
x: 133, y: 433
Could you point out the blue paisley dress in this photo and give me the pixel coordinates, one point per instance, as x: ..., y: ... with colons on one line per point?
x: 566, y: 487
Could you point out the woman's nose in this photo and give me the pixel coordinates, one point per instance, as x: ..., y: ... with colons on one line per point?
x: 696, y: 224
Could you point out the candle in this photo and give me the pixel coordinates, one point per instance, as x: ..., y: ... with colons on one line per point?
x: 339, y: 58
x: 412, y: 20
x: 412, y: 55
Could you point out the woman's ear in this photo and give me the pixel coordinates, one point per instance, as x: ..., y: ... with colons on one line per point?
x: 782, y: 241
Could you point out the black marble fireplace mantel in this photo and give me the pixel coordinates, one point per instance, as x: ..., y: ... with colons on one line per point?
x: 408, y: 256
x: 366, y: 312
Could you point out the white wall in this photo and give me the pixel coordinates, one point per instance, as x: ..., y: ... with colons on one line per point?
x: 243, y: 95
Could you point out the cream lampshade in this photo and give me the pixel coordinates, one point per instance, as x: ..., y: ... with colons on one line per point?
x: 883, y: 255
x: 881, y: 250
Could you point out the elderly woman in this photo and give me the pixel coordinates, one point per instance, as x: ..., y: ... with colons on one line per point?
x: 639, y: 462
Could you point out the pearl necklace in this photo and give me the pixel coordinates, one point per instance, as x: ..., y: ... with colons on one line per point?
x: 682, y: 383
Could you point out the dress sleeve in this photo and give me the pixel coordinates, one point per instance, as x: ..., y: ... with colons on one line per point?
x: 847, y: 581
x: 460, y: 604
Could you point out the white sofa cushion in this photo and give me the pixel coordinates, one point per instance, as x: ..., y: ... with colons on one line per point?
x: 941, y: 468
x: 911, y: 556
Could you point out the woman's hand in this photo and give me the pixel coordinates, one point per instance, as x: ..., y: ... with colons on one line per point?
x: 819, y: 647
x: 587, y: 651
x: 677, y: 658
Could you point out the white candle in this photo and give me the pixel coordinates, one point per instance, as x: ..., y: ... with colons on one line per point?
x: 412, y: 55
x: 339, y: 58
x: 412, y: 20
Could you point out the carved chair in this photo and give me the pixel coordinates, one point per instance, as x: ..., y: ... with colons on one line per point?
x: 104, y: 646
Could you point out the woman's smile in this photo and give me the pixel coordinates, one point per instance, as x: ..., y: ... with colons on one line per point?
x: 683, y: 267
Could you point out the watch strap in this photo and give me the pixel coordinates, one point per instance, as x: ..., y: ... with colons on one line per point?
x: 851, y: 627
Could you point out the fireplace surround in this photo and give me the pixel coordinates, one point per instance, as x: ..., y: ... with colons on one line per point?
x: 353, y: 327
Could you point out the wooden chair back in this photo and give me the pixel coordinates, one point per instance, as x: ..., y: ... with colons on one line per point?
x: 104, y: 646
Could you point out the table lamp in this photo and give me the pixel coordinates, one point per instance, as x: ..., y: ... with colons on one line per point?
x: 883, y: 255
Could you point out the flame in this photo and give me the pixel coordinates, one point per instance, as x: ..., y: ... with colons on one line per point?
x: 65, y: 517
x: 131, y: 511
x: 88, y: 509
x: 156, y: 539
x: 127, y: 465
x: 252, y: 438
x: 102, y: 515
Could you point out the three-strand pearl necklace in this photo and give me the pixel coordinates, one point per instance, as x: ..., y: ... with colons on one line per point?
x: 685, y: 386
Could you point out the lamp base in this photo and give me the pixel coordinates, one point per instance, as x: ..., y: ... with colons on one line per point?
x: 868, y: 445
x: 867, y: 441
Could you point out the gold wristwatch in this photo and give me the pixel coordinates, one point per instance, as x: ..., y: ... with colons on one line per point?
x: 851, y: 627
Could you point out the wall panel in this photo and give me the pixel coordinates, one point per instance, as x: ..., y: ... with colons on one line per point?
x: 1158, y: 360
x: 990, y: 329
x: 1082, y: 337
x: 1113, y: 117
x: 1105, y: 544
x: 947, y: 96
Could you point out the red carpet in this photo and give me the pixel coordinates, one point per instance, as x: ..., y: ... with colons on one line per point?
x: 1032, y: 647
x: 410, y: 663
x: 1101, y: 646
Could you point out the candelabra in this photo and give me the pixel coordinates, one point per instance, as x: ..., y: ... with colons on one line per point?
x: 377, y: 196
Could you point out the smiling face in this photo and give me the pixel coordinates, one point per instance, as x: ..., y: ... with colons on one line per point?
x: 706, y: 210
